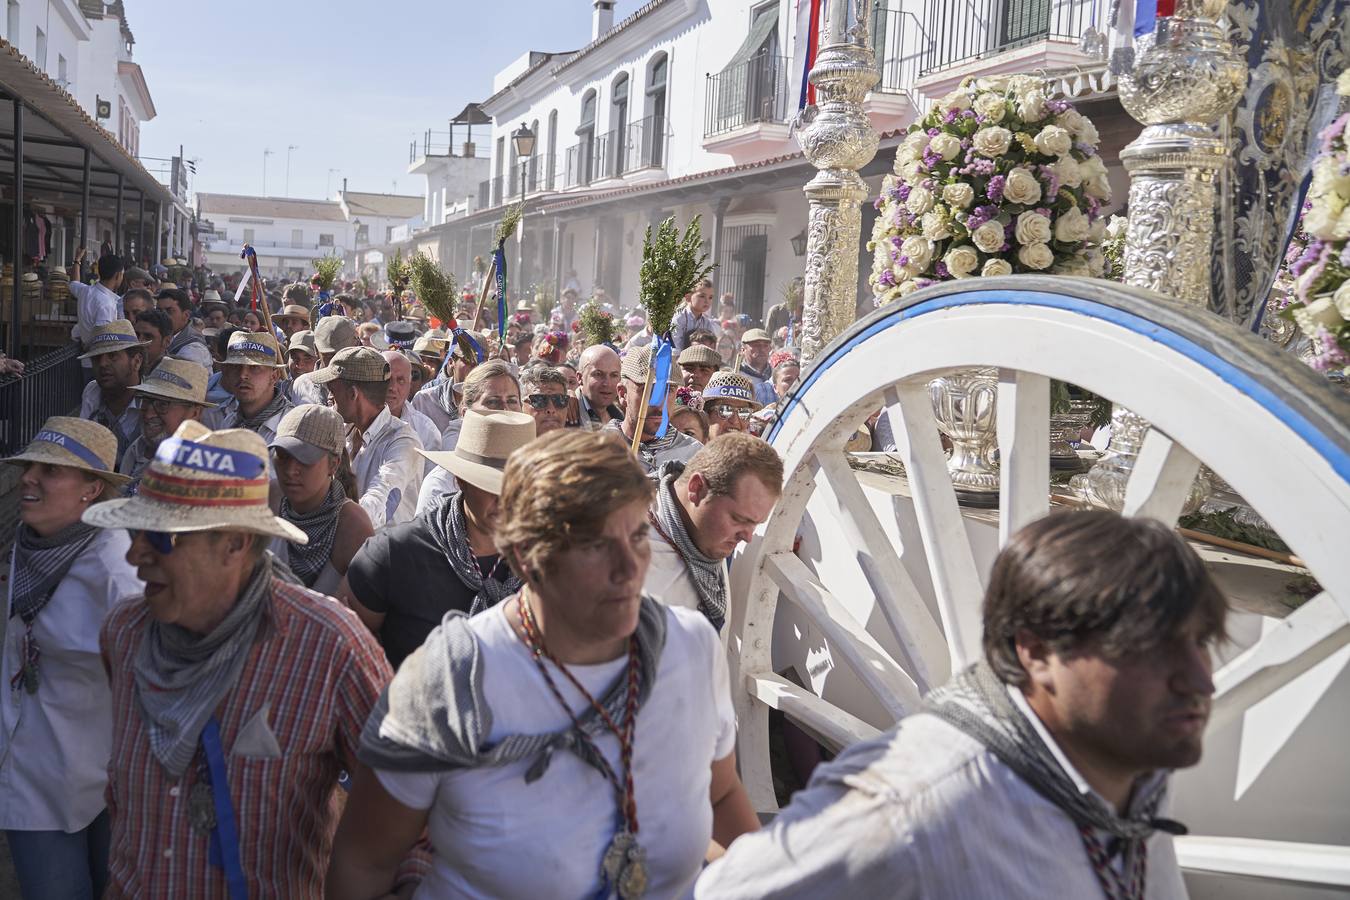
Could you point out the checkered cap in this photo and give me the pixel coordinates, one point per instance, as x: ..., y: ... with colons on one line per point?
x: 755, y: 334
x: 699, y: 355
x: 355, y: 364
x: 635, y: 364
x: 318, y: 426
x: 253, y: 348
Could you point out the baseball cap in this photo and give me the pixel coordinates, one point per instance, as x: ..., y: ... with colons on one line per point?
x: 310, y: 432
x: 333, y: 333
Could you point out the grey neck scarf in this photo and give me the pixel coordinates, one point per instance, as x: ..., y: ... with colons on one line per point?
x: 977, y: 702
x: 41, y: 562
x: 441, y: 389
x: 181, y: 677
x: 278, y: 404
x: 188, y: 335
x: 433, y: 717
x: 451, y: 530
x: 307, y: 560
x: 709, y: 574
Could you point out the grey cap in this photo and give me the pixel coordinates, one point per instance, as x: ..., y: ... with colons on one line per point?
x: 310, y: 432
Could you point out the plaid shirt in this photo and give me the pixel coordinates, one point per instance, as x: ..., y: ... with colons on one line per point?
x: 317, y: 671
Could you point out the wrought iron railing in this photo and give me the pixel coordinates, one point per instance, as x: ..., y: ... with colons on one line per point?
x: 899, y: 44
x: 649, y: 141
x: 50, y: 386
x: 485, y: 194
x: 580, y: 169
x: 973, y: 29
x: 746, y: 93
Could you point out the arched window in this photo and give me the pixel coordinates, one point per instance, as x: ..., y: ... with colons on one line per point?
x: 654, y: 127
x: 616, y: 151
x: 551, y: 160
x: 534, y: 157
x: 585, y: 155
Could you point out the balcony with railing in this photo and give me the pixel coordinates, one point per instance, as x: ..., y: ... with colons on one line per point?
x: 580, y: 168
x: 899, y: 44
x: 747, y: 105
x: 992, y: 37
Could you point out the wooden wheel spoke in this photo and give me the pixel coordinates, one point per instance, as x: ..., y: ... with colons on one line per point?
x: 920, y: 640
x: 824, y: 721
x: 848, y: 638
x: 1163, y: 474
x: 1298, y: 642
x: 951, y: 559
x: 1024, y: 450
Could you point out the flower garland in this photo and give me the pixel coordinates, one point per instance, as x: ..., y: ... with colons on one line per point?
x: 1320, y: 302
x: 996, y: 179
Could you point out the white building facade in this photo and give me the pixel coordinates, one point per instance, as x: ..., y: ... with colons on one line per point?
x: 286, y: 234
x: 684, y: 107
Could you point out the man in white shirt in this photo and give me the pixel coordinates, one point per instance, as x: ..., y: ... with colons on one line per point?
x: 1042, y: 770
x: 396, y: 398
x: 599, y: 391
x: 96, y: 304
x: 383, y: 449
x: 187, y: 342
x: 702, y: 511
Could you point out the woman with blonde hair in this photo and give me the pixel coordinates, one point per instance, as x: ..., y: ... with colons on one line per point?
x: 578, y: 724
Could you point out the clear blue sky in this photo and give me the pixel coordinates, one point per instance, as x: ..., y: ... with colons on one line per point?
x: 348, y: 83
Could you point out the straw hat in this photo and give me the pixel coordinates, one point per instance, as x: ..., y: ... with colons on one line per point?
x: 310, y: 432
x: 699, y: 355
x: 354, y: 364
x: 293, y: 311
x: 115, y: 336
x: 253, y: 348
x: 303, y: 340
x: 78, y: 443
x: 485, y: 442
x: 177, y: 379
x: 201, y: 480
x: 211, y: 295
x: 730, y: 387
x: 429, y: 345
x: 333, y: 333
x: 755, y: 334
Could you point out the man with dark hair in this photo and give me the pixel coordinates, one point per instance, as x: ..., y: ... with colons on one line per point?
x: 155, y: 330
x: 214, y: 313
x: 187, y: 342
x: 118, y: 360
x: 136, y: 301
x: 96, y: 304
x: 251, y: 372
x: 702, y: 512
x: 1041, y: 770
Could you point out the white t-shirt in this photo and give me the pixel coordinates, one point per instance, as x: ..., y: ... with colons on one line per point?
x: 496, y: 836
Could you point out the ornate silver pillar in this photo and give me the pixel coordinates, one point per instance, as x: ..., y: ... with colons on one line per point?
x: 1186, y: 77
x: 838, y: 139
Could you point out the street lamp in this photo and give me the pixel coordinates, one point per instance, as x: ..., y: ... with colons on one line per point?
x: 522, y: 139
x: 799, y: 243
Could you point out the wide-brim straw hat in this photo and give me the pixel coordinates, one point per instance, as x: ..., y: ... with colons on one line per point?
x: 254, y: 348
x: 201, y: 480
x: 113, y: 337
x: 211, y: 296
x: 730, y: 387
x: 177, y: 379
x: 77, y: 443
x: 485, y: 442
x: 293, y: 311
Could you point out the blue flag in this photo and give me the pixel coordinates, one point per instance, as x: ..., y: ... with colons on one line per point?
x: 662, y: 349
x: 499, y: 263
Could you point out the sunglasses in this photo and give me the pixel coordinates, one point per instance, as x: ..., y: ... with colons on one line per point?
x: 161, y: 541
x: 541, y: 401
x: 727, y: 412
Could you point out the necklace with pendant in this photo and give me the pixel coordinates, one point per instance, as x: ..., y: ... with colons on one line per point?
x: 624, y: 865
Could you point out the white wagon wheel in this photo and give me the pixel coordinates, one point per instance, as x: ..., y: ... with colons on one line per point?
x: 884, y: 594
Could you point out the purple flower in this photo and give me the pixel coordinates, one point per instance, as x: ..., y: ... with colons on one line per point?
x: 903, y: 191
x: 1328, y: 355
x: 925, y: 282
x: 968, y: 114
x: 1057, y: 106
x: 995, y: 188
x: 902, y: 261
x: 886, y: 278
x: 896, y: 242
x: 940, y: 269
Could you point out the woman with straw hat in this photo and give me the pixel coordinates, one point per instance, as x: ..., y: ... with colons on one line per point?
x: 575, y: 740
x: 310, y: 457
x: 404, y: 579
x: 56, y: 723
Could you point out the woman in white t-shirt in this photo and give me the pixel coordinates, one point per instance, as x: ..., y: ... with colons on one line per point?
x: 574, y: 741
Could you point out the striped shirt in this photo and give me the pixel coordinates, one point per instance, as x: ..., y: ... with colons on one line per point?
x: 311, y: 679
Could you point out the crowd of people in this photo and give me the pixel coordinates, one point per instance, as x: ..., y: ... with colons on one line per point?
x: 358, y: 604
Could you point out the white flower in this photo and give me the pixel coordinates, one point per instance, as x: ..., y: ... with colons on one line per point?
x: 1036, y: 256
x: 1074, y: 265
x: 1032, y: 228
x: 1097, y: 231
x: 992, y: 141
x: 1031, y: 105
x: 1342, y: 300
x: 936, y: 225
x: 904, y: 158
x: 916, y: 140
x: 1072, y: 226
x: 959, y: 195
x: 957, y: 99
x: 994, y: 84
x: 945, y: 145
x: 993, y: 267
x: 1021, y: 187
x: 907, y: 288
x: 1067, y: 170
x: 992, y: 106
x: 1115, y: 229
x: 1053, y: 141
x: 989, y: 237
x: 1343, y: 83
x: 1321, y: 220
x: 1079, y: 125
x: 1328, y: 180
x: 920, y: 201
x: 1321, y: 311
x: 961, y: 260
x: 1086, y: 133
x: 1099, y: 187
x: 920, y: 252
x: 1096, y: 263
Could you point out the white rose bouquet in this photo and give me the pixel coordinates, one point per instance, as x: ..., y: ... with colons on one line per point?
x: 1318, y: 261
x: 995, y: 179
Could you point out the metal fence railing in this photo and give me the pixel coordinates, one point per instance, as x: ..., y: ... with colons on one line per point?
x: 580, y: 168
x: 899, y: 44
x: 971, y: 29
x: 755, y: 90
x: 50, y: 386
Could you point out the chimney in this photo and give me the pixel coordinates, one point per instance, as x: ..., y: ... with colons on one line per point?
x: 602, y: 20
x: 344, y: 189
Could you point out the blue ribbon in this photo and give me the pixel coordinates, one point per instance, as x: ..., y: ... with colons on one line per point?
x: 225, y: 836
x: 787, y: 342
x: 662, y: 349
x: 68, y: 443
x: 499, y: 263
x: 325, y: 303
x: 1145, y: 16
x: 206, y: 458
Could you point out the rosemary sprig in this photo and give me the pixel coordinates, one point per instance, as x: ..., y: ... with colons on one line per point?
x: 434, y: 286
x: 326, y: 271
x: 671, y: 266
x: 597, y: 325
x: 399, y: 272
x: 507, y: 226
